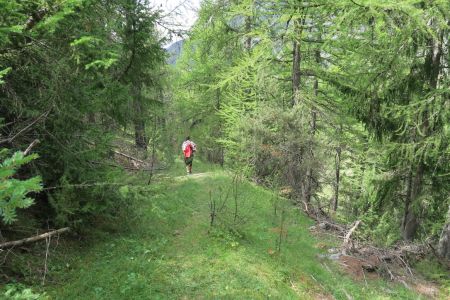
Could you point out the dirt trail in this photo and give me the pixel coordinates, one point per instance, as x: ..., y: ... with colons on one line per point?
x: 193, y: 176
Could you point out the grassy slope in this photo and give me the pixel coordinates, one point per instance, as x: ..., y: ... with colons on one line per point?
x: 166, y: 252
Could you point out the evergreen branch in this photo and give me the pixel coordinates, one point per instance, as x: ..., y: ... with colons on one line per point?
x: 352, y: 1
x: 84, y: 185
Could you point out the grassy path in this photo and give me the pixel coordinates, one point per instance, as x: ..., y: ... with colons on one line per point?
x: 166, y: 249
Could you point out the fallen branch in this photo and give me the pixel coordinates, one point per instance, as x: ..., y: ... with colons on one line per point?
x: 10, y: 139
x: 30, y: 147
x: 314, y: 213
x: 33, y: 238
x: 119, y: 153
x: 47, y: 240
x: 325, y: 225
x: 306, y: 209
x: 129, y: 156
x: 406, y: 265
x: 83, y: 185
x: 158, y: 168
x: 348, y: 243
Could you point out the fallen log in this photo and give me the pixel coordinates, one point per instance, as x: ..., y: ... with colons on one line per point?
x: 33, y: 238
x: 129, y: 156
x: 325, y: 225
x: 119, y: 153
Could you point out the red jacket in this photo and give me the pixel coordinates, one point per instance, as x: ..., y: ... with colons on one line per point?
x: 188, y: 148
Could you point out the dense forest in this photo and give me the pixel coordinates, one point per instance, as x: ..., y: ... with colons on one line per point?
x: 341, y: 107
x: 345, y: 105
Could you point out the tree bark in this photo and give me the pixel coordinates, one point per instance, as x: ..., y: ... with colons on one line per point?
x: 415, y: 181
x: 296, y: 73
x: 337, y: 168
x: 296, y: 61
x: 139, y: 123
x: 410, y: 222
x: 444, y: 240
x: 308, y: 181
x: 248, y: 39
x: 407, y: 202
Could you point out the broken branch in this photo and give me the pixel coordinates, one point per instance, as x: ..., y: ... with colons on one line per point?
x: 347, y: 240
x: 33, y: 238
x: 30, y: 147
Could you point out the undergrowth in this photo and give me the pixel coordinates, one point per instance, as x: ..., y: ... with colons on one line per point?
x: 164, y: 247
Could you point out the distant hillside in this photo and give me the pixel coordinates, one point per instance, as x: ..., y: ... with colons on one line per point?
x: 174, y: 51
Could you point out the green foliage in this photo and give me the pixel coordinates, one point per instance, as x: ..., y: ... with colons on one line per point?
x: 435, y: 271
x: 68, y: 69
x: 20, y: 292
x: 373, y: 86
x: 3, y: 73
x: 13, y: 192
x: 381, y: 230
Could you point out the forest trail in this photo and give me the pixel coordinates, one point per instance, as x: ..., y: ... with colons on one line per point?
x: 340, y: 105
x: 194, y: 175
x: 169, y: 250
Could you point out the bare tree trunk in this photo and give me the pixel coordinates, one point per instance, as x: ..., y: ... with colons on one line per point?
x: 444, y: 240
x: 218, y: 99
x: 337, y: 168
x: 415, y: 181
x: 407, y: 201
x: 91, y: 117
x: 222, y: 157
x: 296, y: 61
x: 355, y: 209
x: 153, y: 158
x: 308, y: 181
x: 248, y: 39
x: 410, y: 222
x: 248, y: 29
x: 296, y: 73
x: 139, y: 123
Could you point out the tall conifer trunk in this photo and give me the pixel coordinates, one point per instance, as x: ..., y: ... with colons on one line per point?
x: 138, y: 120
x: 296, y: 58
x: 444, y: 240
x: 337, y: 170
x: 415, y: 180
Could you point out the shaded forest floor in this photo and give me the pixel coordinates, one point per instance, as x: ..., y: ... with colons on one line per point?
x: 164, y: 247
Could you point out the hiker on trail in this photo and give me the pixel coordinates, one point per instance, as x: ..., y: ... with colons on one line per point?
x: 188, y: 147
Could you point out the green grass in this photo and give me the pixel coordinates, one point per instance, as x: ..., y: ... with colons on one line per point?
x: 198, y: 166
x: 164, y: 248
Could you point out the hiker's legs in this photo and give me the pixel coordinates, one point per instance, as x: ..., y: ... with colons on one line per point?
x: 188, y: 162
